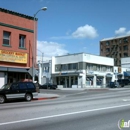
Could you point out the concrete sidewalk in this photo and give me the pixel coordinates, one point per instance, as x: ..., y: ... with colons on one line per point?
x: 45, y: 96
x: 82, y: 89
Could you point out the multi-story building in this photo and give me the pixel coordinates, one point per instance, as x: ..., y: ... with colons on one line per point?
x: 116, y: 47
x: 82, y: 70
x: 16, y: 46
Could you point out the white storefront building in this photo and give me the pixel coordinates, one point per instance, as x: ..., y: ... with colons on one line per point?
x: 82, y: 70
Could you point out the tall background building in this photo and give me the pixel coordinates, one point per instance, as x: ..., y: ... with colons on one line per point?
x: 116, y: 47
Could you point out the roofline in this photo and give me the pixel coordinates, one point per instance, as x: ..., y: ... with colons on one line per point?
x: 112, y: 38
x: 17, y: 14
x: 82, y: 53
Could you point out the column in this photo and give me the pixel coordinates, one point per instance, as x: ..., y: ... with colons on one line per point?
x: 69, y: 81
x: 94, y: 81
x: 104, y: 81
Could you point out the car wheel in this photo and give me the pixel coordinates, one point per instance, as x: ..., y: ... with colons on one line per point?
x: 2, y: 99
x: 28, y: 97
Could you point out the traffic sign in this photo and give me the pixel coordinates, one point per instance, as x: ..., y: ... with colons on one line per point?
x: 32, y: 71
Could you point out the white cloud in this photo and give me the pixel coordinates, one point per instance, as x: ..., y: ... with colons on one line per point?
x: 128, y: 33
x: 50, y: 49
x: 86, y: 31
x: 122, y: 31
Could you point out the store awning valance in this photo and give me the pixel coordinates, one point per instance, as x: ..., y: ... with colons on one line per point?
x: 127, y: 73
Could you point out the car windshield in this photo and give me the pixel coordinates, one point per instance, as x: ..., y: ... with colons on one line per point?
x: 6, y: 86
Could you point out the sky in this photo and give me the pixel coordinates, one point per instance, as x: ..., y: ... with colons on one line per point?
x: 74, y: 26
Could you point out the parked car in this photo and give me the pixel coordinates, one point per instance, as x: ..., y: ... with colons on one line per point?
x: 113, y: 85
x: 48, y: 86
x: 123, y: 82
x: 25, y: 90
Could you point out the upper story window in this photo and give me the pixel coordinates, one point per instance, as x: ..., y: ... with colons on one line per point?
x: 22, y: 41
x: 120, y: 41
x: 70, y: 66
x: 107, y: 49
x: 64, y: 67
x: 125, y: 40
x: 125, y: 48
x: 75, y: 66
x: 6, y: 38
x: 107, y: 43
x: 125, y: 54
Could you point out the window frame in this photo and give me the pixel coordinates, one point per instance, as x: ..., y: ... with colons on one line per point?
x: 9, y: 37
x: 22, y: 41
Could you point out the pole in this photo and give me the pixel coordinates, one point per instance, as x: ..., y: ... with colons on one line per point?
x: 33, y: 77
x: 34, y: 43
x: 42, y: 68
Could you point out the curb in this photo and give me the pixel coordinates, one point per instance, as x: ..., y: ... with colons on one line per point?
x: 44, y: 98
x: 97, y: 89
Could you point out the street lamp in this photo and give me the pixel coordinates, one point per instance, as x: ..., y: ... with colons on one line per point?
x: 42, y: 60
x: 33, y: 75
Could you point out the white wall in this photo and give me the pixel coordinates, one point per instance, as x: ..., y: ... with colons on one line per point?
x: 69, y: 58
x: 125, y: 62
x: 98, y: 59
x: 83, y: 57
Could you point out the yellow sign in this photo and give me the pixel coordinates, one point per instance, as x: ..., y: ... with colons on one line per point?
x: 11, y: 56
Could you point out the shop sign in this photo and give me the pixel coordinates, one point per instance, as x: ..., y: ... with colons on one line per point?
x: 11, y: 56
x: 90, y: 72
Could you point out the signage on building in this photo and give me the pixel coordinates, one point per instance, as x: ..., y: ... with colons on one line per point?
x: 119, y: 69
x: 90, y: 72
x: 11, y: 56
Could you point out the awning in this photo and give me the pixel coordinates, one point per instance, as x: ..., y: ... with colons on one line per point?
x: 127, y: 73
x: 11, y: 69
x: 108, y: 75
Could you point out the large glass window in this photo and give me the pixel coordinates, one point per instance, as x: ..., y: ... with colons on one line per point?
x: 98, y: 67
x: 103, y: 68
x: 6, y: 38
x: 69, y: 66
x: 64, y: 67
x: 22, y: 41
x: 75, y: 66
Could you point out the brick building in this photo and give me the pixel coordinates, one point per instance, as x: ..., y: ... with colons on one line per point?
x: 116, y: 47
x: 16, y: 46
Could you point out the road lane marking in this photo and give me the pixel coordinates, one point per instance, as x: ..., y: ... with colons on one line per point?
x: 125, y: 100
x: 65, y: 114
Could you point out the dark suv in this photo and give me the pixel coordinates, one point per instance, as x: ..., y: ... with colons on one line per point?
x: 123, y: 82
x: 26, y: 90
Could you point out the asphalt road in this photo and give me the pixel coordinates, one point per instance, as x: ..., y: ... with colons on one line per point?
x: 74, y: 111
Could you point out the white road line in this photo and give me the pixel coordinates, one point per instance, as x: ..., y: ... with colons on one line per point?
x: 126, y: 100
x: 65, y: 114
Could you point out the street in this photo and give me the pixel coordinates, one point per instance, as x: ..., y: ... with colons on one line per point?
x: 73, y: 110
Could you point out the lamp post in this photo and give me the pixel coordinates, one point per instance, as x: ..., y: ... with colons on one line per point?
x: 41, y: 63
x: 33, y: 75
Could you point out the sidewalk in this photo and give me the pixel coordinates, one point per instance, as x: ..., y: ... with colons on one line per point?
x: 45, y: 96
x: 82, y: 89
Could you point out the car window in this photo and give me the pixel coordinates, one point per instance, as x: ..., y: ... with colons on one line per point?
x: 14, y: 86
x: 30, y: 85
x: 22, y: 86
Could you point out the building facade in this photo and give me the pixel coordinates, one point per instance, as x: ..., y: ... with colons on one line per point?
x: 82, y: 70
x: 125, y: 63
x: 116, y: 47
x: 16, y: 46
